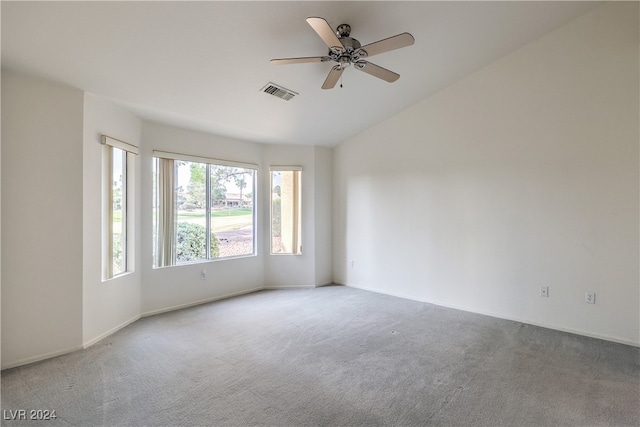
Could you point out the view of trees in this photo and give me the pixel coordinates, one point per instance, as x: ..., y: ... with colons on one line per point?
x: 224, y: 182
x: 195, y: 195
x: 196, y: 189
x: 228, y: 212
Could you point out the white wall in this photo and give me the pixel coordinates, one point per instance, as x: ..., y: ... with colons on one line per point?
x: 0, y: 217
x: 520, y: 175
x: 114, y: 303
x: 42, y: 219
x: 293, y: 270
x: 170, y: 287
x: 54, y: 300
x: 178, y: 286
x: 323, y: 225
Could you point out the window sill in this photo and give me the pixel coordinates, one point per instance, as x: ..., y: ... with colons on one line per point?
x: 118, y: 276
x: 205, y: 261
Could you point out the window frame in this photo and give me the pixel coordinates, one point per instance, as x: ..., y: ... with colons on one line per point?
x: 169, y: 259
x: 127, y: 151
x: 297, y: 209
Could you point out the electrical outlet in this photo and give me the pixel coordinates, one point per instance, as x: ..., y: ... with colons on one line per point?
x: 351, y: 263
x: 544, y: 291
x: 590, y: 297
x: 203, y: 274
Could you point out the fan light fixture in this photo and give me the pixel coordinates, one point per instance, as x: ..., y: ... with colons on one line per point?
x: 346, y: 51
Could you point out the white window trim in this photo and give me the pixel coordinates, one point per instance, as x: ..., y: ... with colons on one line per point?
x: 298, y: 223
x: 285, y: 168
x: 206, y: 160
x: 129, y: 148
x: 128, y: 218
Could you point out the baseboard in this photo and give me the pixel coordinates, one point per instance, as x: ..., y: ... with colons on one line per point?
x: 500, y: 316
x: 289, y: 287
x: 331, y: 283
x: 110, y: 332
x: 40, y: 357
x: 199, y: 302
x: 299, y: 286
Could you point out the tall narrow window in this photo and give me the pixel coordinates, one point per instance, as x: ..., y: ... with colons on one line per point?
x: 286, y: 210
x: 118, y: 211
x: 204, y: 209
x: 116, y: 244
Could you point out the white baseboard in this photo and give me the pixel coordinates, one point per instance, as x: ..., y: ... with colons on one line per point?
x: 299, y: 286
x: 199, y: 302
x: 40, y: 357
x: 290, y: 287
x: 110, y: 332
x: 500, y: 316
x: 326, y: 284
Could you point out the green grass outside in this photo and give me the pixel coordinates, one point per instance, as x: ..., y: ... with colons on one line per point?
x: 184, y: 215
x: 117, y: 215
x: 229, y: 212
x: 232, y: 212
x: 223, y: 220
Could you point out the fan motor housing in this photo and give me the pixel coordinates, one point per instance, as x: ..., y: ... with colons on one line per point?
x: 351, y: 47
x: 350, y: 44
x: 351, y: 53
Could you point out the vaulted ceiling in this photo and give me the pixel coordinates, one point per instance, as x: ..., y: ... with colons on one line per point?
x: 201, y: 64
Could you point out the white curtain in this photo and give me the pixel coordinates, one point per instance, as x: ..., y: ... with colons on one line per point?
x: 166, y: 213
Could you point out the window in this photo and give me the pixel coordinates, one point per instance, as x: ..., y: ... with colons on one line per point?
x: 116, y: 170
x: 286, y: 224
x: 118, y: 211
x: 203, y: 209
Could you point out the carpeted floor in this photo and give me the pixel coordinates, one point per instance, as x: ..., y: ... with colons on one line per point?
x: 331, y: 356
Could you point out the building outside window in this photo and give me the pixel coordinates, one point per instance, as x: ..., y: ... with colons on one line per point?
x: 286, y: 210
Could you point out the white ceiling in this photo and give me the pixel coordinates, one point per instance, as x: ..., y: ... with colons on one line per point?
x: 201, y: 65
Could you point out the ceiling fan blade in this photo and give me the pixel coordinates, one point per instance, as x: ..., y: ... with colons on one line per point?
x: 385, y: 45
x: 377, y: 71
x: 285, y: 61
x: 326, y: 33
x: 333, y: 77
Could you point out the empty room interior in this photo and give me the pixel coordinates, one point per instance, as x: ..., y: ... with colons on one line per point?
x: 320, y: 213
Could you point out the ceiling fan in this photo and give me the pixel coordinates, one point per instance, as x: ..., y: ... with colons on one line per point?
x: 347, y: 51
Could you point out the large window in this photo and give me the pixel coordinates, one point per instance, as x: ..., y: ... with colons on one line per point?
x: 203, y: 208
x: 117, y: 165
x: 286, y: 223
